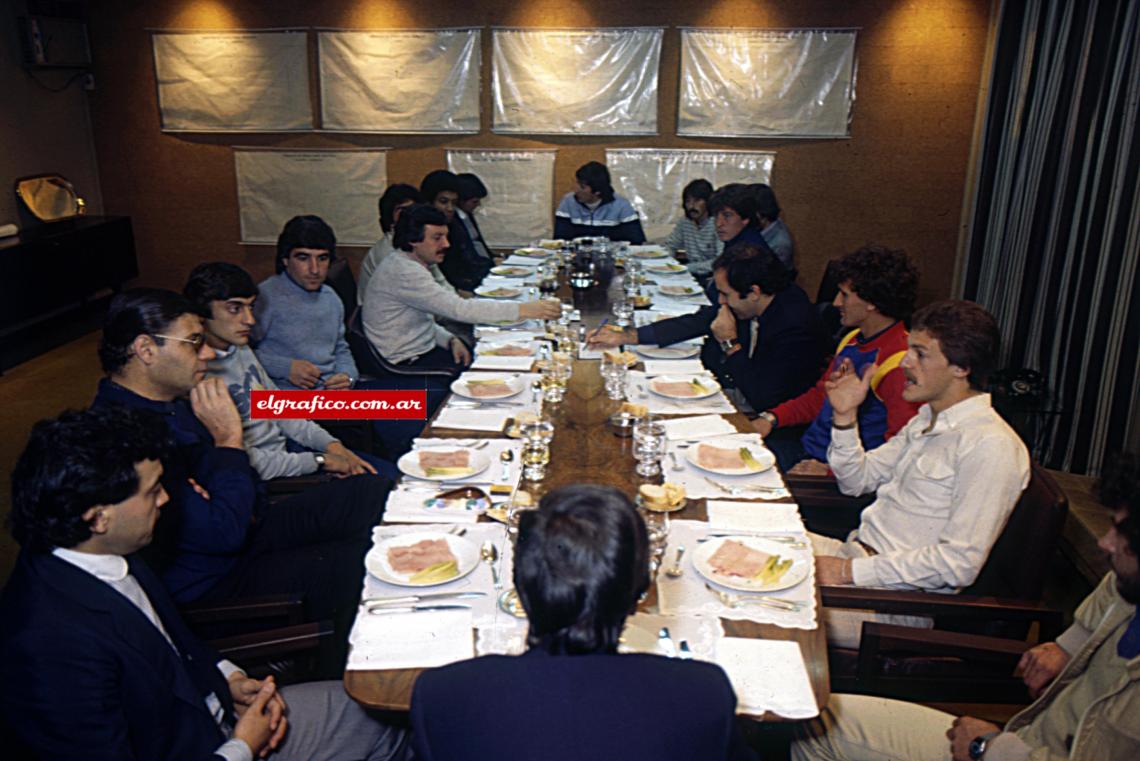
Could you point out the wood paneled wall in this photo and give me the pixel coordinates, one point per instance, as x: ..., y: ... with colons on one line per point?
x: 898, y: 180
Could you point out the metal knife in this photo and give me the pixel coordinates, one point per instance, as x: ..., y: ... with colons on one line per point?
x: 377, y: 611
x: 665, y: 642
x: 371, y: 602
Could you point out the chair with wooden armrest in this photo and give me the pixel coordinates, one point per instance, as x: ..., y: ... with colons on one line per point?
x: 290, y: 653
x: 271, y: 610
x: 824, y: 508
x: 1002, y: 604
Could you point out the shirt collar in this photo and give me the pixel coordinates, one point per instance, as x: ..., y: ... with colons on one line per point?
x: 103, y: 567
x: 957, y: 414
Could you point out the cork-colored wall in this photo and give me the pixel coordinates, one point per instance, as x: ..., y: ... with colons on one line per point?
x: 898, y: 180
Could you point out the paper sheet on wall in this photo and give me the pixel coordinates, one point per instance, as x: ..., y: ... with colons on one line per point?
x: 232, y: 81
x: 653, y: 179
x: 340, y: 186
x: 758, y: 83
x: 520, y: 187
x: 423, y: 81
x: 583, y: 82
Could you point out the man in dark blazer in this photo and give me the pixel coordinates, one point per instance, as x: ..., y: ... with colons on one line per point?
x: 95, y: 662
x: 580, y: 566
x: 766, y: 340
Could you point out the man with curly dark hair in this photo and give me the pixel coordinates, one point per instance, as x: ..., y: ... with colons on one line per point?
x: 877, y: 289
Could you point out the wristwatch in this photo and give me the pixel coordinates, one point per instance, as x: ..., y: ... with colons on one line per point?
x: 320, y: 458
x: 727, y: 344
x: 770, y: 417
x: 978, y: 745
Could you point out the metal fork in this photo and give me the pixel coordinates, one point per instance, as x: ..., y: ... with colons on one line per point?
x: 736, y: 601
x: 737, y: 490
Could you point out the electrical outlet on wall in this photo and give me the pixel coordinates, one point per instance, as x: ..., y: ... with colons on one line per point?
x: 88, y: 82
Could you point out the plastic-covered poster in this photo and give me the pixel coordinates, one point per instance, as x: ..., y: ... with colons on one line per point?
x: 340, y: 186
x: 581, y: 82
x: 420, y: 81
x: 652, y: 179
x: 520, y: 190
x: 760, y: 83
x: 232, y: 81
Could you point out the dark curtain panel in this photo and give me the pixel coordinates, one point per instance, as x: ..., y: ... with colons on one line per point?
x: 1054, y: 236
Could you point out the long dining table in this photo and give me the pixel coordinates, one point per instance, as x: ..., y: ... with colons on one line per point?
x: 585, y: 450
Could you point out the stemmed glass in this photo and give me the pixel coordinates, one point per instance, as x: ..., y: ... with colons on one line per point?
x: 648, y: 446
x: 616, y: 376
x: 536, y: 436
x: 623, y: 312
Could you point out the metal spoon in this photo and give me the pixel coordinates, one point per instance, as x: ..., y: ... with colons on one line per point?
x: 507, y: 456
x: 676, y: 465
x: 674, y: 571
x: 490, y: 553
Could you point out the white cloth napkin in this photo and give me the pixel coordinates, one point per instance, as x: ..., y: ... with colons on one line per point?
x: 458, y: 418
x: 687, y: 595
x: 410, y: 640
x: 495, y: 362
x: 717, y: 404
x: 767, y: 675
x: 406, y: 505
x: 699, y: 427
x: 674, y: 367
x: 680, y: 349
x: 641, y: 631
x: 754, y: 517
x: 522, y: 261
x: 528, y: 331
x: 696, y: 480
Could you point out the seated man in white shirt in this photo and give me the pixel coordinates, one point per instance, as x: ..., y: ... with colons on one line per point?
x: 946, y: 483
x: 95, y: 662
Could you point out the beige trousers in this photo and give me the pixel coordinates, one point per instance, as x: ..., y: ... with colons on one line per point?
x: 866, y: 728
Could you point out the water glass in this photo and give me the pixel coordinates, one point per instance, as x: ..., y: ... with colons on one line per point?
x: 623, y: 312
x: 648, y: 446
x: 616, y: 377
x: 535, y: 457
x: 555, y: 376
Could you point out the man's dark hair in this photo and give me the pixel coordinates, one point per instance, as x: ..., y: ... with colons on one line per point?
x: 595, y: 176
x: 305, y: 231
x: 881, y: 276
x: 137, y: 312
x: 746, y: 265
x: 737, y: 197
x: 1119, y: 489
x: 470, y: 186
x: 76, y: 462
x: 581, y: 563
x: 438, y: 182
x: 394, y: 196
x: 217, y: 281
x: 700, y: 189
x: 766, y: 205
x: 967, y: 333
x: 410, y: 225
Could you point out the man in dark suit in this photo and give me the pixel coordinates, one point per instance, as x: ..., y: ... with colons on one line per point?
x: 95, y: 662
x: 581, y: 563
x: 766, y: 339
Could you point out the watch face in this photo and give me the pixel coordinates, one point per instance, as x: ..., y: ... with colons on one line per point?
x: 977, y: 747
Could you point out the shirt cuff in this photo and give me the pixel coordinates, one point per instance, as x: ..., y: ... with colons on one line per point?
x: 229, y: 668
x: 863, y: 572
x: 234, y: 750
x: 1007, y: 747
x: 1073, y: 638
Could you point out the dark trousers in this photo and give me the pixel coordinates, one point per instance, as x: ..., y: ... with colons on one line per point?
x: 396, y: 435
x: 312, y: 545
x: 786, y: 444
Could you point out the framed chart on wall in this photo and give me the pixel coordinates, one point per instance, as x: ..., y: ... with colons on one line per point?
x: 520, y: 188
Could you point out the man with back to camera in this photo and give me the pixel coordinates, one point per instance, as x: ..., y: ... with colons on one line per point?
x: 878, y: 287
x: 95, y: 662
x: 219, y: 538
x: 299, y: 336
x: 696, y: 231
x: 1086, y: 685
x: 462, y: 265
x: 946, y: 484
x: 592, y: 209
x: 277, y: 448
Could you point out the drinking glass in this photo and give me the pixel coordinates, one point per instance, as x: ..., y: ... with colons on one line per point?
x: 623, y: 312
x: 554, y: 379
x: 616, y: 376
x: 648, y: 446
x: 535, y: 456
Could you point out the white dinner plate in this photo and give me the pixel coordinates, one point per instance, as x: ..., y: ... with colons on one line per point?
x: 667, y: 269
x: 504, y: 323
x: 512, y: 270
x: 514, y: 383
x: 762, y: 455
x: 680, y: 291
x: 498, y: 292
x: 646, y: 252
x: 532, y: 253
x: 681, y: 351
x: 709, y: 383
x: 409, y: 463
x: 794, y: 575
x: 376, y: 561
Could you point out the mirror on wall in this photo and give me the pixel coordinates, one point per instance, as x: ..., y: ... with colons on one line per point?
x: 49, y: 197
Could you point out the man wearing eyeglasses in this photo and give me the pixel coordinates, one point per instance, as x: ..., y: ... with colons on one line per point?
x: 219, y: 538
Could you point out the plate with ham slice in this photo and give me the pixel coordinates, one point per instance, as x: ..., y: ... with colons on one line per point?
x: 684, y: 386
x: 745, y: 563
x: 488, y: 388
x: 443, y: 463
x: 399, y: 559
x: 730, y: 458
x: 499, y: 292
x: 507, y: 350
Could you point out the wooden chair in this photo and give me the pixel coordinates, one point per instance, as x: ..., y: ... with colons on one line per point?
x: 978, y: 635
x: 824, y: 508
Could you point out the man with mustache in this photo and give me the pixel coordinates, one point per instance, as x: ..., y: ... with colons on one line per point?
x: 945, y: 484
x: 695, y: 233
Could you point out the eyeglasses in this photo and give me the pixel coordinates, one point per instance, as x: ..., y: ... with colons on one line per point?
x: 197, y: 340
